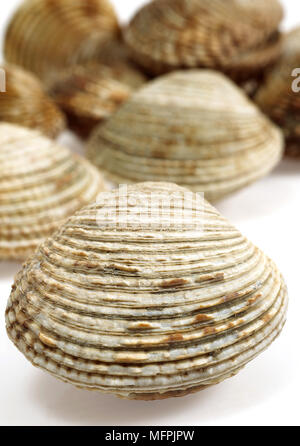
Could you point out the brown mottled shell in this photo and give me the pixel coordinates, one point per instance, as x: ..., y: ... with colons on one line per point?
x: 141, y: 310
x: 24, y: 102
x: 89, y: 94
x: 276, y: 96
x: 195, y: 128
x: 238, y: 37
x: 45, y: 36
x: 41, y: 185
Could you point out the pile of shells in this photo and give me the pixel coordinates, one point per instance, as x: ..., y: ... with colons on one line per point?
x: 45, y: 36
x: 279, y: 98
x: 195, y: 128
x: 150, y: 307
x: 41, y: 184
x: 25, y: 102
x: 240, y: 38
x: 89, y: 94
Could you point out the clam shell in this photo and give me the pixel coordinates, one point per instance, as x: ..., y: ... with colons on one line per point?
x: 276, y: 96
x: 41, y: 185
x: 195, y: 128
x: 237, y: 37
x: 127, y: 307
x: 26, y: 103
x: 92, y: 93
x: 45, y: 36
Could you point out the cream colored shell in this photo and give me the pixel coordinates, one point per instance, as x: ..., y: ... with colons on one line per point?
x: 278, y: 98
x: 44, y: 36
x: 194, y: 128
x: 41, y: 184
x: 143, y: 311
x: 238, y: 37
x: 25, y: 103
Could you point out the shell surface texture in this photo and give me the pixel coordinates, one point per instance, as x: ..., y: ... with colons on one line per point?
x: 91, y: 93
x: 41, y: 185
x: 115, y: 51
x: 195, y: 128
x: 146, y: 305
x: 25, y: 103
x: 279, y: 96
x: 238, y: 37
x: 45, y: 36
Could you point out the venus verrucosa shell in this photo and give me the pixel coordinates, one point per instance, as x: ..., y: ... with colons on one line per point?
x: 238, y: 37
x: 41, y: 185
x: 45, y: 36
x: 91, y: 93
x: 279, y: 95
x: 146, y: 301
x: 25, y: 103
x: 195, y: 128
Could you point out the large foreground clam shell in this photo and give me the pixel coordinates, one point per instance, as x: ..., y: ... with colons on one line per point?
x: 44, y: 36
x: 149, y: 307
x: 41, y: 184
x: 279, y: 98
x: 237, y: 37
x: 195, y: 128
x: 89, y: 94
x: 24, y: 102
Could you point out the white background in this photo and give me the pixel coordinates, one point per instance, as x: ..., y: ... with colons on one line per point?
x: 266, y: 392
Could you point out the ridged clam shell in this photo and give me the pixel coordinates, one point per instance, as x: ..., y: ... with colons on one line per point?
x: 238, y: 37
x: 92, y: 93
x: 276, y: 96
x: 195, y: 128
x: 145, y: 312
x: 41, y: 185
x: 25, y: 103
x: 45, y: 36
